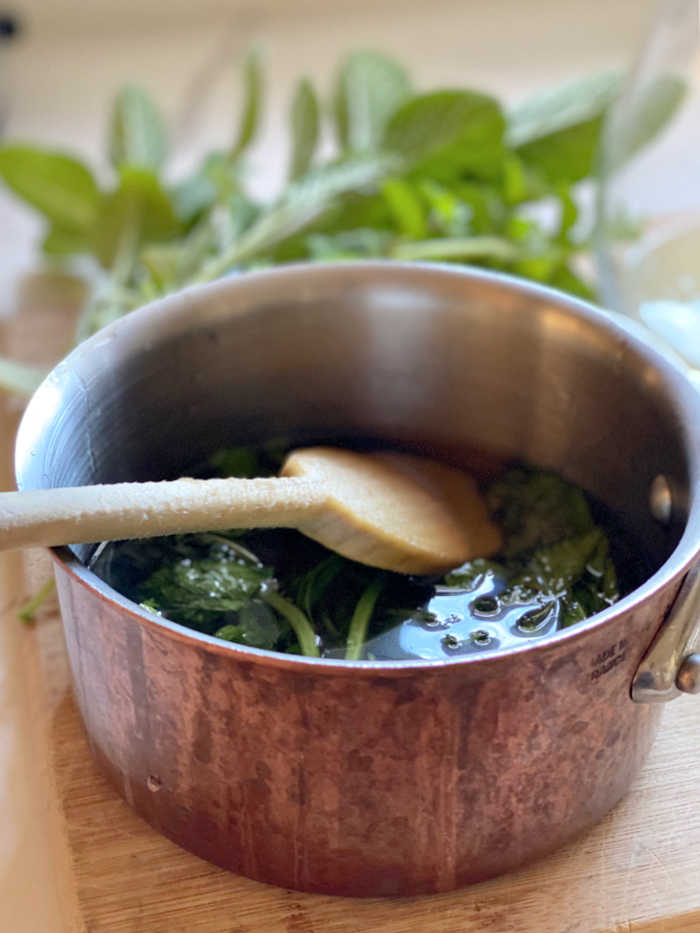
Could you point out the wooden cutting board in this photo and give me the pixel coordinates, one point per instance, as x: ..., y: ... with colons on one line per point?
x: 74, y: 858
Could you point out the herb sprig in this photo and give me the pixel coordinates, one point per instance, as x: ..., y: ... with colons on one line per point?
x: 448, y: 174
x: 276, y: 589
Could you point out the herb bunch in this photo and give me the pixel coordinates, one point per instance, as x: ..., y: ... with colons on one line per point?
x: 449, y: 175
x: 276, y: 589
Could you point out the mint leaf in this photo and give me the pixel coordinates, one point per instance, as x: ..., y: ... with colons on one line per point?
x: 58, y: 185
x: 252, y: 104
x: 137, y: 133
x: 369, y: 89
x: 445, y: 134
x: 304, y: 126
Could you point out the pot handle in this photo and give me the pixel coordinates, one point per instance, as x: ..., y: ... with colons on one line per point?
x: 671, y: 666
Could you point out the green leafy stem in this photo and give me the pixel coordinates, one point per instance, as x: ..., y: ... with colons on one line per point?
x: 447, y: 174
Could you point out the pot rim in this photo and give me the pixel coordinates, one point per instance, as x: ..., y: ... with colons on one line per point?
x: 684, y: 395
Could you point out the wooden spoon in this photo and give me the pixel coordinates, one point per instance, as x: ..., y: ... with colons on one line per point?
x: 390, y: 510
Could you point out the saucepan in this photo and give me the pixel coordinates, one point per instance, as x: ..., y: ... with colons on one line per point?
x: 377, y: 777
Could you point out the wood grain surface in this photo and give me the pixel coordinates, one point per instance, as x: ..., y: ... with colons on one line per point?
x: 80, y: 860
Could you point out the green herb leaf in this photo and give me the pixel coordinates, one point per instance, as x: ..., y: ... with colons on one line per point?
x: 556, y: 568
x: 561, y: 108
x: 192, y: 196
x: 648, y: 108
x: 405, y: 207
x: 256, y: 626
x: 59, y: 242
x: 236, y: 461
x: 28, y: 611
x: 207, y: 585
x: 314, y: 584
x: 446, y: 133
x: 20, y: 378
x: 359, y: 623
x: 57, y: 185
x: 138, y: 211
x: 536, y: 508
x: 298, y: 621
x: 369, y: 89
x: 557, y: 131
x: 304, y: 127
x: 137, y: 133
x: 349, y: 244
x: 252, y: 104
x: 303, y: 202
x: 466, y: 249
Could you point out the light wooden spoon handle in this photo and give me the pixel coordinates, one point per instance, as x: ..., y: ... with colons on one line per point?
x: 48, y: 517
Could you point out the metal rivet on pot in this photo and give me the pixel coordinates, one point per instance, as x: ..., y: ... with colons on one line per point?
x: 688, y: 678
x: 153, y: 783
x: 660, y: 499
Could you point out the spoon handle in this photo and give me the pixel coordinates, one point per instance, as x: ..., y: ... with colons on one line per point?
x: 50, y: 517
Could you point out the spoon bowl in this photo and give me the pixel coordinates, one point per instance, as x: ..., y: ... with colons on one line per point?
x: 389, y: 510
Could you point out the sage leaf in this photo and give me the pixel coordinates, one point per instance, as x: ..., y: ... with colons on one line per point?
x: 304, y: 127
x: 406, y: 208
x: 648, y: 108
x: 137, y: 134
x: 252, y: 104
x: 445, y: 134
x: 304, y: 201
x: 192, y: 196
x: 60, y: 242
x: 57, y: 185
x: 564, y: 107
x: 369, y: 89
x: 138, y: 211
x: 557, y: 132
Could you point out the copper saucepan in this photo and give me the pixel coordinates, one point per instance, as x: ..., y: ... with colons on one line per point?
x: 371, y: 778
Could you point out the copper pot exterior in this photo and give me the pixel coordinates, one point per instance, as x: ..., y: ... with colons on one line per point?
x: 353, y: 781
x: 369, y: 778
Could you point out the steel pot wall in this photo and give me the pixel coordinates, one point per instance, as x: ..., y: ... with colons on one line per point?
x: 351, y: 777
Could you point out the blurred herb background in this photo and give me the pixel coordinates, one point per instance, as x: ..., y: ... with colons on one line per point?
x: 377, y: 169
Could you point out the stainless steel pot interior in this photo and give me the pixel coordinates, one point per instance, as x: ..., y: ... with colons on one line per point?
x: 422, y: 355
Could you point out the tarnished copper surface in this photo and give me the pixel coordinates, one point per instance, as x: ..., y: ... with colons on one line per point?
x: 357, y: 782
